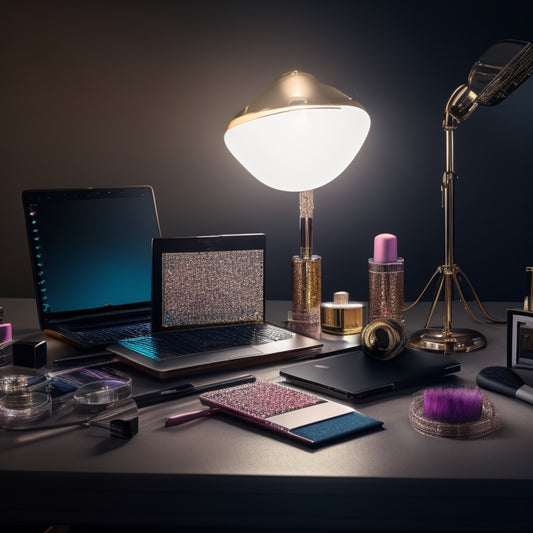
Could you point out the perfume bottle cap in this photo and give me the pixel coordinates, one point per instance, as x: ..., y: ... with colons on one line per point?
x: 385, y: 248
x: 341, y: 298
x: 342, y: 317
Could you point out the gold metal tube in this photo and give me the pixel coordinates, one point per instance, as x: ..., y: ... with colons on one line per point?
x: 306, y: 295
x: 307, y: 285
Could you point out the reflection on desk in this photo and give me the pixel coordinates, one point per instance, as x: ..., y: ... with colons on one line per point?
x: 218, y: 472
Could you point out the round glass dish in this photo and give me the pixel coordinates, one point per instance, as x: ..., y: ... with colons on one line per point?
x: 20, y: 407
x: 15, y: 378
x: 101, y: 394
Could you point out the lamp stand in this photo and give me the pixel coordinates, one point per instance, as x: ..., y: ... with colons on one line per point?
x: 306, y: 276
x: 448, y: 339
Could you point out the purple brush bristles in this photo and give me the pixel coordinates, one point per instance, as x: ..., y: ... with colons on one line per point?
x: 453, y: 405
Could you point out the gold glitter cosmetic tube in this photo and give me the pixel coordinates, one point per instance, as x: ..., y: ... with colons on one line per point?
x: 306, y: 295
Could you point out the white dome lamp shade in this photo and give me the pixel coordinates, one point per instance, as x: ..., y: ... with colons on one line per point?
x: 299, y: 134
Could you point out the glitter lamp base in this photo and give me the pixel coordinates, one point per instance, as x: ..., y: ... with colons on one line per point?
x: 306, y: 295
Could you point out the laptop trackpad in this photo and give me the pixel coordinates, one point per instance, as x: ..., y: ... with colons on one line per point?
x: 206, y: 358
x: 236, y: 353
x: 211, y: 356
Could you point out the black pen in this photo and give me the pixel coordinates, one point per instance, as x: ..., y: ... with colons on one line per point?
x: 87, y: 359
x: 187, y: 389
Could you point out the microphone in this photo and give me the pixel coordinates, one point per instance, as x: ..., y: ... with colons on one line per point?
x: 505, y: 380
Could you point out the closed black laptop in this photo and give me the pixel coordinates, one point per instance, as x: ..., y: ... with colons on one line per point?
x: 355, y: 376
x: 91, y: 259
x: 208, y: 309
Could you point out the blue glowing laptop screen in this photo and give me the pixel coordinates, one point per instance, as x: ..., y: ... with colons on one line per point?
x: 91, y: 248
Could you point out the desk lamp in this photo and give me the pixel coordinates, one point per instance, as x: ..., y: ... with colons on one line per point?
x: 501, y: 70
x: 297, y: 136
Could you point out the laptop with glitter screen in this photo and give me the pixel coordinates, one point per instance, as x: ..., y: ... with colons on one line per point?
x: 208, y: 309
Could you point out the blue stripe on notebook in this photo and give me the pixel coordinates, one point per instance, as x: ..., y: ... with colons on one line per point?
x: 339, y: 426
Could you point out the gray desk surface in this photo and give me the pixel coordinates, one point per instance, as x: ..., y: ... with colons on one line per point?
x: 219, y: 472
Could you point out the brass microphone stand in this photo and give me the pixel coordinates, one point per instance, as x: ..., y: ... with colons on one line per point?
x: 447, y: 338
x: 503, y: 68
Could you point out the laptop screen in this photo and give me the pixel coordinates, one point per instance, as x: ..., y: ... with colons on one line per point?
x: 206, y: 281
x: 91, y: 248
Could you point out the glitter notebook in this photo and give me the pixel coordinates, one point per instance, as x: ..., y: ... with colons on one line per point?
x: 208, y: 309
x: 295, y: 414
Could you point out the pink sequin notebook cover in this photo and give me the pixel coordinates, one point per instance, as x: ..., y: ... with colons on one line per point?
x: 299, y: 415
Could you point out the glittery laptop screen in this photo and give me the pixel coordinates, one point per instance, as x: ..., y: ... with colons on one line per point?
x: 205, y: 281
x: 204, y: 288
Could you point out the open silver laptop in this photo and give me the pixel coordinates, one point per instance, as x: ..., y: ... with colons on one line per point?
x: 208, y: 309
x: 90, y: 252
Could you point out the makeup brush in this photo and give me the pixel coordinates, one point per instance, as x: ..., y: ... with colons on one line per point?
x: 453, y: 405
x: 505, y: 380
x: 457, y: 412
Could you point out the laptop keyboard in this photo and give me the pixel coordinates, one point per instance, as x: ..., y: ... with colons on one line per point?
x: 187, y: 342
x: 112, y: 334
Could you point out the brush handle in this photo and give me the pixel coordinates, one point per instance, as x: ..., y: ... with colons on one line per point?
x: 506, y: 381
x: 500, y: 379
x: 191, y: 415
x: 525, y: 393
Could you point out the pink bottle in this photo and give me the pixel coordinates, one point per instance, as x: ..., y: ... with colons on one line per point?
x: 385, y: 280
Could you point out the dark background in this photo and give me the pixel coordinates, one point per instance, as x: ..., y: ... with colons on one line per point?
x: 100, y: 93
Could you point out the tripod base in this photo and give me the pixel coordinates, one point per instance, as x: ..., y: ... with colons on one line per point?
x: 440, y: 340
x: 447, y: 339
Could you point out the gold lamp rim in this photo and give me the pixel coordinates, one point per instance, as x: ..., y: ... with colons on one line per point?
x: 292, y: 91
x: 248, y: 117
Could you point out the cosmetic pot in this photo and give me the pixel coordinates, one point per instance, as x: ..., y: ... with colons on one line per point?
x: 342, y: 317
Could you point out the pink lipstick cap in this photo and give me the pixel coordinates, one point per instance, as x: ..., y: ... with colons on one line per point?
x: 385, y: 248
x: 6, y: 333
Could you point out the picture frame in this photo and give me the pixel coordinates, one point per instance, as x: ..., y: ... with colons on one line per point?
x: 520, y: 339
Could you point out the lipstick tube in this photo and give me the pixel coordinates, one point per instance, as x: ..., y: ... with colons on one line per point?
x: 385, y: 280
